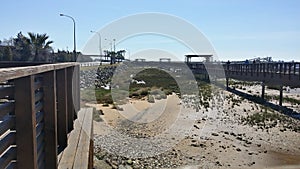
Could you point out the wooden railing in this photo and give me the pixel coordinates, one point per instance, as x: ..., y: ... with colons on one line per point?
x: 272, y: 73
x: 38, y: 105
x: 289, y: 68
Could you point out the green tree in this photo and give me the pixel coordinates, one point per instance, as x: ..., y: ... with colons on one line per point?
x: 120, y: 55
x: 63, y: 56
x: 22, y: 51
x: 7, y: 54
x: 40, y: 45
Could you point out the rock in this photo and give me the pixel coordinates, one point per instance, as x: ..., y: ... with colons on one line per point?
x: 101, y: 164
x: 196, y: 126
x: 129, y: 162
x: 124, y: 167
x: 198, y: 145
x: 239, y: 138
x: 238, y: 149
x: 233, y: 134
x: 215, y: 134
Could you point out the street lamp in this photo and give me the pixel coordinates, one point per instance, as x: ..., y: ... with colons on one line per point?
x: 73, y: 32
x: 100, y: 48
x: 113, y: 54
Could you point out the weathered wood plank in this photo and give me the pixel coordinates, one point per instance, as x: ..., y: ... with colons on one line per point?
x: 62, y: 108
x: 39, y: 129
x: 68, y: 155
x: 82, y: 159
x: 18, y: 72
x: 38, y: 96
x: 7, y: 141
x: 50, y: 119
x: 70, y: 95
x: 6, y: 108
x: 41, y: 163
x: 12, y: 165
x: 8, y: 157
x: 40, y: 152
x: 39, y: 116
x: 6, y: 92
x: 77, y: 88
x: 25, y: 122
x: 7, y: 124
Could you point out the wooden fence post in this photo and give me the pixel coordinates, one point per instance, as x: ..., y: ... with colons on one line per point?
x: 62, y: 108
x: 50, y: 119
x: 70, y: 95
x: 25, y: 123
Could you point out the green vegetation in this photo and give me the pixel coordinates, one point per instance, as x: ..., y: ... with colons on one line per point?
x: 267, y: 118
x: 96, y: 115
x: 150, y: 99
x: 36, y: 47
x: 205, y: 94
x: 158, y: 84
x: 101, y: 95
x: 243, y: 83
x: 285, y: 99
x: 155, y: 78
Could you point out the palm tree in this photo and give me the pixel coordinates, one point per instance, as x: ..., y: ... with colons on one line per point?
x: 120, y: 55
x: 39, y: 44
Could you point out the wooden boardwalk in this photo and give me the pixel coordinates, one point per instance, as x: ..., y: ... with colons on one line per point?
x: 272, y: 74
x: 79, y: 152
x: 38, y: 106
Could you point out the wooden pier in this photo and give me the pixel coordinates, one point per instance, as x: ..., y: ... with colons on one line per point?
x: 270, y: 73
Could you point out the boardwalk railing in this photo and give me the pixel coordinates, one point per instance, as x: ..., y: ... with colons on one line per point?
x: 38, y: 105
x: 272, y: 73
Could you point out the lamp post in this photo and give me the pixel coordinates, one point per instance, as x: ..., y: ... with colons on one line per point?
x: 75, y: 58
x: 100, y: 47
x: 113, y: 54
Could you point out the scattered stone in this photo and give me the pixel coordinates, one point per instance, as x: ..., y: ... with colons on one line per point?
x: 233, y: 134
x: 215, y: 134
x: 196, y: 126
x: 129, y: 162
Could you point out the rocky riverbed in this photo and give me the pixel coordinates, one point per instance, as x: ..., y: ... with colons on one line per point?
x: 219, y: 138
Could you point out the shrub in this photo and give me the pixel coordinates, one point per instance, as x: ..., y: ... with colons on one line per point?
x: 150, y: 99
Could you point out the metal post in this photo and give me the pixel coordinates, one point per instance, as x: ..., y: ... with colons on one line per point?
x: 74, y: 32
x: 280, y: 95
x: 263, y: 90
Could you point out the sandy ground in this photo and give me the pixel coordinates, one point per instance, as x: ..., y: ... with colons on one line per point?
x: 217, y: 138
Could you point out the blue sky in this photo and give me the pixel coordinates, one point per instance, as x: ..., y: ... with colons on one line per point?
x: 238, y: 29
